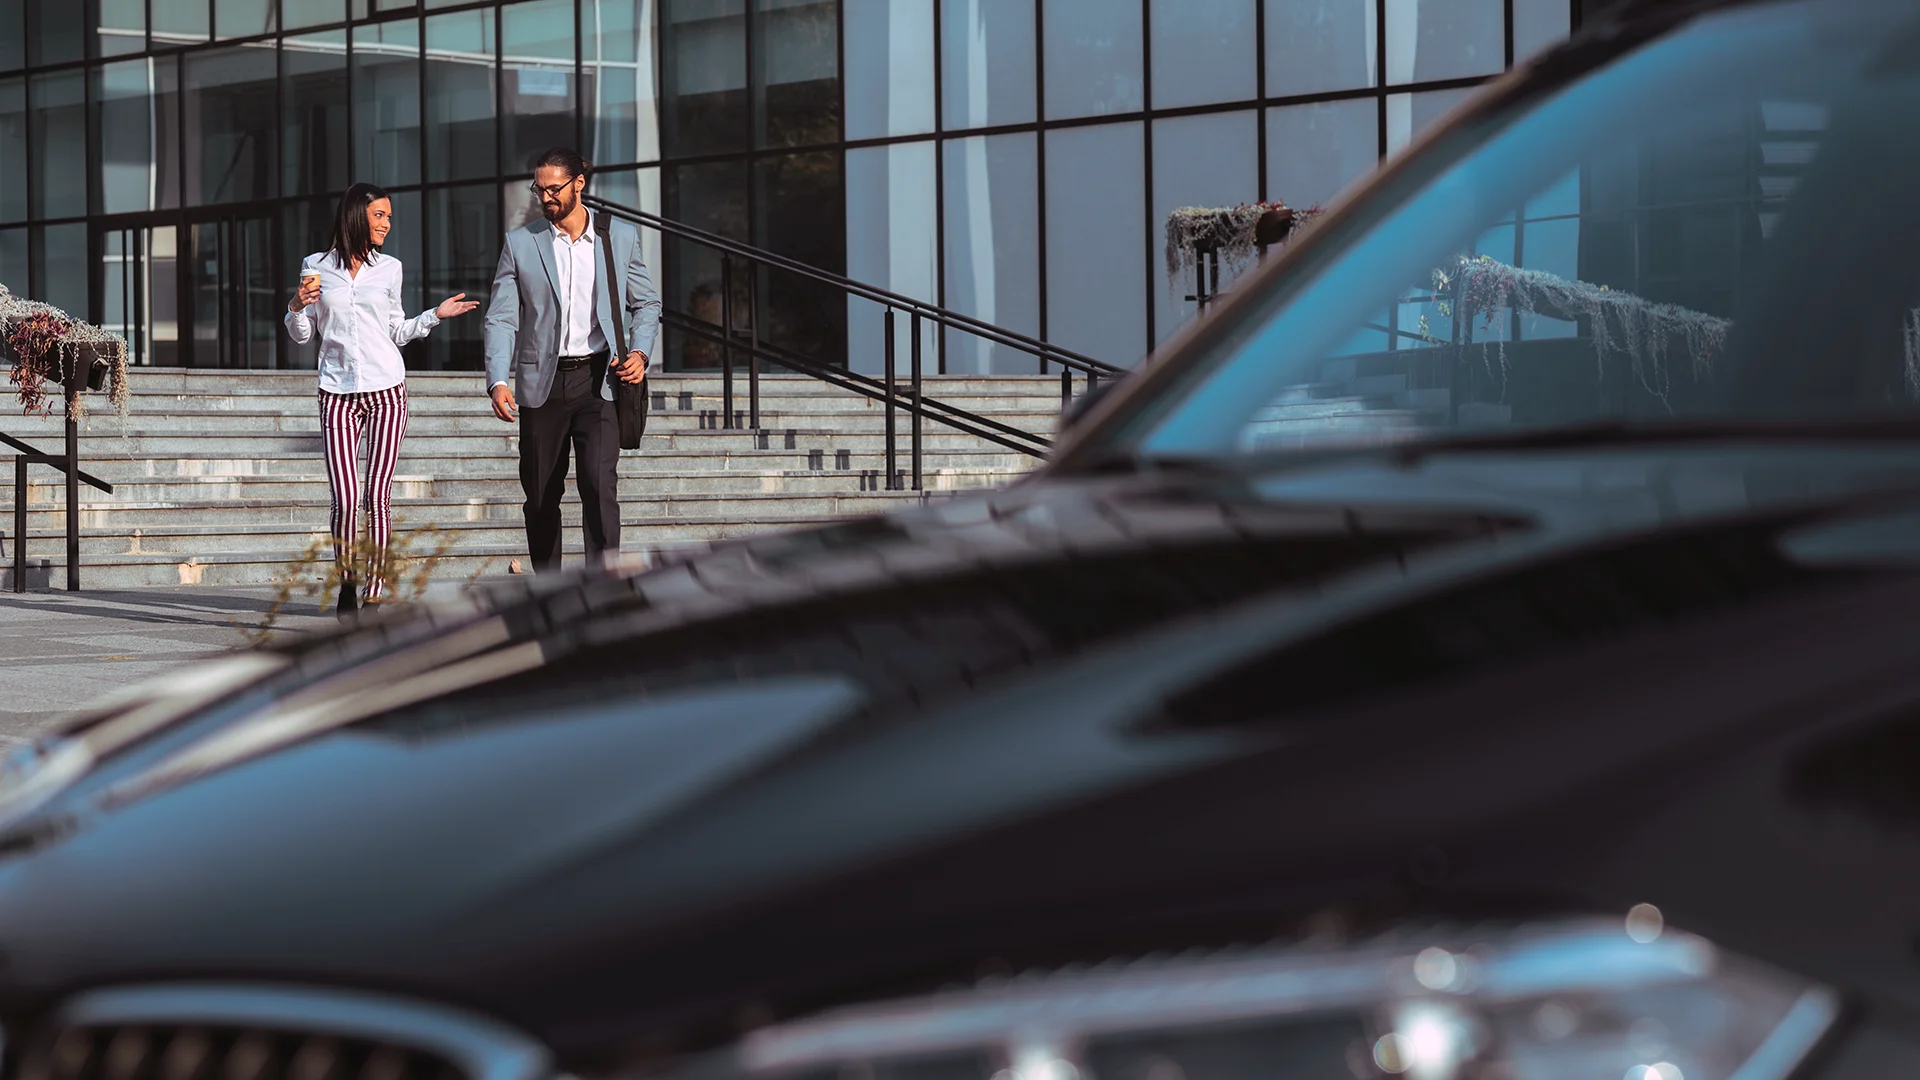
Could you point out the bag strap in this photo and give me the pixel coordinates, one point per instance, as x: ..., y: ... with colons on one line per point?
x: 601, y: 231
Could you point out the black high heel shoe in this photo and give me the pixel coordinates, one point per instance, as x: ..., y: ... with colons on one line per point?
x: 349, y: 597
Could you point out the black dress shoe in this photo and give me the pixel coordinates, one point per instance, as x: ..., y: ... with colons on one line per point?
x: 349, y: 597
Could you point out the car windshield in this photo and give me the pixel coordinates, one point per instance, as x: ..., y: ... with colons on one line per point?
x: 1714, y: 226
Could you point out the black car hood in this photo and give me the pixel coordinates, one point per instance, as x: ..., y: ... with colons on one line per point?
x: 832, y: 759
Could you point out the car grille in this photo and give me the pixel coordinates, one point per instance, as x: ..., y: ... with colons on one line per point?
x: 252, y: 1031
x: 137, y: 1052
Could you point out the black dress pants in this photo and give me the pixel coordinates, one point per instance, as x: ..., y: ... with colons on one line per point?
x: 576, y: 416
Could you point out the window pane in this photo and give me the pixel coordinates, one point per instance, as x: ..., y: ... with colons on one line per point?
x: 1319, y: 45
x: 1410, y: 114
x: 307, y: 223
x: 891, y: 242
x: 59, y: 31
x: 13, y: 36
x: 299, y: 13
x: 993, y: 247
x: 619, y: 64
x: 1538, y: 24
x: 798, y: 201
x: 13, y: 261
x: 1093, y: 57
x: 386, y: 103
x: 123, y: 27
x: 640, y: 189
x: 711, y: 196
x: 797, y: 72
x: 889, y: 68
x: 130, y: 110
x: 463, y: 226
x: 536, y: 50
x: 1096, y: 241
x: 1198, y: 161
x: 403, y: 243
x: 460, y: 74
x: 58, y: 156
x: 242, y: 18
x: 180, y: 23
x: 1315, y: 151
x: 703, y: 76
x: 60, y: 260
x: 313, y: 72
x: 13, y: 150
x: 1444, y: 39
x: 987, y: 62
x: 1203, y: 53
x: 232, y: 127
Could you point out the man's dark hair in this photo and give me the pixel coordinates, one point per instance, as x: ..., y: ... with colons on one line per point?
x: 352, y: 233
x: 563, y: 157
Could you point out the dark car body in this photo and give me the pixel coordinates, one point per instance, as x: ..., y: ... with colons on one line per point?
x: 603, y: 823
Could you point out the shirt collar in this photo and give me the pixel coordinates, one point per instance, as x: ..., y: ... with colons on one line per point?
x: 585, y: 235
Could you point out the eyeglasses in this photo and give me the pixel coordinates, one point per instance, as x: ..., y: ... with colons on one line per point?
x: 550, y: 192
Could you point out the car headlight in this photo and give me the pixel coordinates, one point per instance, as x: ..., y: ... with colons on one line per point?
x: 1583, y: 999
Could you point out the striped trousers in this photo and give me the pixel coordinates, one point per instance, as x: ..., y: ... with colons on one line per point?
x: 381, y: 417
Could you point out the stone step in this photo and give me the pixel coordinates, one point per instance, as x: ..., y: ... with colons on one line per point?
x: 214, y: 491
x: 481, y: 521
x: 116, y: 465
x: 145, y: 380
x: 505, y: 444
x: 986, y: 402
x: 235, y: 568
x: 46, y: 433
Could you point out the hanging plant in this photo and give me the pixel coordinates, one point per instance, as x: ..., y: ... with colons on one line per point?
x: 1229, y: 231
x: 45, y: 344
x: 1482, y: 285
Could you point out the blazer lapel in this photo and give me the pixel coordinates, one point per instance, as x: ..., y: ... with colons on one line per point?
x: 543, y: 240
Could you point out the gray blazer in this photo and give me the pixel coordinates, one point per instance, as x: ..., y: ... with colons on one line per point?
x: 523, y: 317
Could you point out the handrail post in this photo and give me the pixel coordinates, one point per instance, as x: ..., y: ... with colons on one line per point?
x: 20, y: 523
x: 915, y: 323
x: 753, y: 350
x: 73, y: 483
x: 726, y: 347
x: 892, y: 461
x: 1066, y: 386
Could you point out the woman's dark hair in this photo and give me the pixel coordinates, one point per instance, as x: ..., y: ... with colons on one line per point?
x: 352, y: 234
x: 563, y: 157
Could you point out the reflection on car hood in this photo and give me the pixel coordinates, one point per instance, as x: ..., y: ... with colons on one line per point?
x: 642, y: 762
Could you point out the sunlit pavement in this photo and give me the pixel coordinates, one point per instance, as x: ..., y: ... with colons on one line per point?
x: 60, y: 651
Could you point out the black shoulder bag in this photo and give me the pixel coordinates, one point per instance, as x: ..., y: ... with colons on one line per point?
x: 629, y: 399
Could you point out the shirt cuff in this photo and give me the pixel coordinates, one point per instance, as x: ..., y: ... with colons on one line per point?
x: 429, y: 319
x: 497, y: 384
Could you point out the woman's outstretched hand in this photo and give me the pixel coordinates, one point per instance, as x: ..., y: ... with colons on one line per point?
x: 457, y: 304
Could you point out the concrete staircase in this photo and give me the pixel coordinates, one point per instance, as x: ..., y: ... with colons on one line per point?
x: 219, y: 479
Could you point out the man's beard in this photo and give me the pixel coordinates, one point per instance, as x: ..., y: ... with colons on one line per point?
x: 555, y: 213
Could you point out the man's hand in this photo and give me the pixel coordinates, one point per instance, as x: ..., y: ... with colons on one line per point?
x: 503, y: 406
x: 633, y: 368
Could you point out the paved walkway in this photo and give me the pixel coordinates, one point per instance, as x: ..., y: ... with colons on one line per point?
x: 59, y: 650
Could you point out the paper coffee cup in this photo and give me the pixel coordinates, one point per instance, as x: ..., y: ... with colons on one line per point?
x: 309, y: 277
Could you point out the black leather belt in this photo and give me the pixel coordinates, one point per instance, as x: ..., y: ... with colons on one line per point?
x: 568, y: 363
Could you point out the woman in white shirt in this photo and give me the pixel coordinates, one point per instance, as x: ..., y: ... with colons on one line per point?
x: 350, y: 296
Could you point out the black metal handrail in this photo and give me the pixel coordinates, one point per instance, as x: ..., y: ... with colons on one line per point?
x: 68, y: 463
x: 886, y: 389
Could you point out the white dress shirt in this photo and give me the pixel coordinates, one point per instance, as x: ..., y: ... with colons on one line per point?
x: 360, y: 322
x: 579, y: 331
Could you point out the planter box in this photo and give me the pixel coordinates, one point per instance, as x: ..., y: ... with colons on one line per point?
x: 91, y: 369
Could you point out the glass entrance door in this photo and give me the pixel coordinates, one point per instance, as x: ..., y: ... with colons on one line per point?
x: 235, y: 294
x: 193, y: 293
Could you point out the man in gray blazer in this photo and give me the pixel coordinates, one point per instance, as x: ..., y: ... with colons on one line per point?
x: 549, y: 326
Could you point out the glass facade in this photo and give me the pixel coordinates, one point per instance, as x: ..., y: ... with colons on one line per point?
x: 164, y: 164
